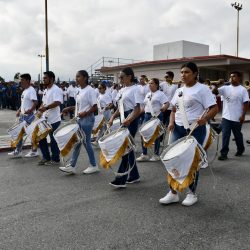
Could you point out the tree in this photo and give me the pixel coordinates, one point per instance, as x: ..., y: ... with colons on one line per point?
x: 17, y: 76
x: 2, y: 79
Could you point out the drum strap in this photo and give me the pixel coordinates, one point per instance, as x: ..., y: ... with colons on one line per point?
x: 121, y: 108
x: 182, y: 110
x: 150, y: 105
x: 76, y: 106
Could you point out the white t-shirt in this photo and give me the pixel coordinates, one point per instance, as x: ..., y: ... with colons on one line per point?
x: 168, y: 90
x: 196, y: 99
x: 157, y: 98
x: 104, y: 99
x: 131, y: 96
x: 72, y: 91
x: 27, y: 98
x: 144, y: 89
x: 86, y: 99
x: 53, y: 94
x: 233, y: 99
x: 65, y: 98
x: 114, y: 94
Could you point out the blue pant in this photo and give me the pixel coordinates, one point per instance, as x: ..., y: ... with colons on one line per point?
x: 44, y: 147
x: 147, y: 117
x: 29, y: 119
x: 199, y: 134
x: 129, y: 159
x: 227, y: 127
x: 86, y: 124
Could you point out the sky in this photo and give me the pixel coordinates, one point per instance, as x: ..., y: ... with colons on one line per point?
x: 83, y: 31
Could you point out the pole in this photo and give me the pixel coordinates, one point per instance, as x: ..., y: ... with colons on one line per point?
x: 46, y: 34
x: 238, y: 28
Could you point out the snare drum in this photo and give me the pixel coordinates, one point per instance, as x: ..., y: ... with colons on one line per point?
x: 210, y: 137
x: 151, y: 130
x: 38, y: 130
x: 114, y: 145
x: 99, y: 122
x: 116, y: 125
x: 181, y: 160
x: 67, y: 136
x: 17, y: 132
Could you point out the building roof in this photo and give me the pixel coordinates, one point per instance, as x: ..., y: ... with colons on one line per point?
x: 232, y: 60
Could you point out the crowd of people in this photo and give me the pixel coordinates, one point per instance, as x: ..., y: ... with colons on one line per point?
x: 177, y: 105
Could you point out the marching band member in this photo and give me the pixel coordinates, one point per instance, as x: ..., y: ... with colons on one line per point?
x: 156, y: 102
x: 104, y: 104
x: 235, y: 107
x: 189, y: 103
x: 26, y: 112
x: 86, y: 104
x: 168, y: 88
x: 130, y: 101
x: 50, y: 108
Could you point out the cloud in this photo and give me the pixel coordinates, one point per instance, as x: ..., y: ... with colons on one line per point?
x: 81, y: 31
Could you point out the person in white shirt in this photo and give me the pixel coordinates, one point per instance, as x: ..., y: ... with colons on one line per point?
x: 144, y: 89
x: 168, y: 87
x: 26, y: 112
x: 86, y: 106
x: 132, y: 101
x: 104, y: 104
x: 156, y: 102
x: 235, y: 107
x: 50, y: 109
x: 72, y: 91
x: 196, y: 98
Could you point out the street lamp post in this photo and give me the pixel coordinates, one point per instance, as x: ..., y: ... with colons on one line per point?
x: 238, y: 7
x: 46, y: 34
x: 41, y: 56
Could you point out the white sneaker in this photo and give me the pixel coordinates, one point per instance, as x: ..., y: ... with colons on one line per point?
x: 91, y: 170
x: 155, y: 158
x: 169, y: 198
x: 143, y: 158
x: 190, y: 199
x: 15, y: 154
x: 95, y: 143
x: 32, y: 154
x: 203, y: 164
x: 68, y: 169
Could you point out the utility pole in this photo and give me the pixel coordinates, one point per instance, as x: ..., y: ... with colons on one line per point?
x: 238, y: 7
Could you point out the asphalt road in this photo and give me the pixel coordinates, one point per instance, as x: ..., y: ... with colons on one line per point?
x: 43, y: 208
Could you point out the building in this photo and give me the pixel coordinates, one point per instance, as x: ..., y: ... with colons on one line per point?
x: 211, y: 67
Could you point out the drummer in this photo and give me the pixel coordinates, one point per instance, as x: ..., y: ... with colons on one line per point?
x: 50, y: 108
x: 189, y: 103
x: 129, y: 111
x: 104, y: 104
x: 156, y: 102
x: 26, y: 112
x: 86, y: 106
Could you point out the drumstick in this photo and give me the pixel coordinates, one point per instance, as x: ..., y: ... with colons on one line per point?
x: 169, y: 136
x: 195, y: 125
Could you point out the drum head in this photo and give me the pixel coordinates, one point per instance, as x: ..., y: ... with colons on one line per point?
x: 68, y: 128
x: 177, y: 149
x: 148, y: 125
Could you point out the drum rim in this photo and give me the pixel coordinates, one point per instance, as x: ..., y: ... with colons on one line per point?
x: 65, y: 125
x: 175, y: 143
x: 112, y: 133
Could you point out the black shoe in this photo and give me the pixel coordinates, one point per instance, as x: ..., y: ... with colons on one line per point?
x: 222, y: 158
x: 42, y: 162
x: 239, y: 153
x: 248, y: 141
x: 117, y: 184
